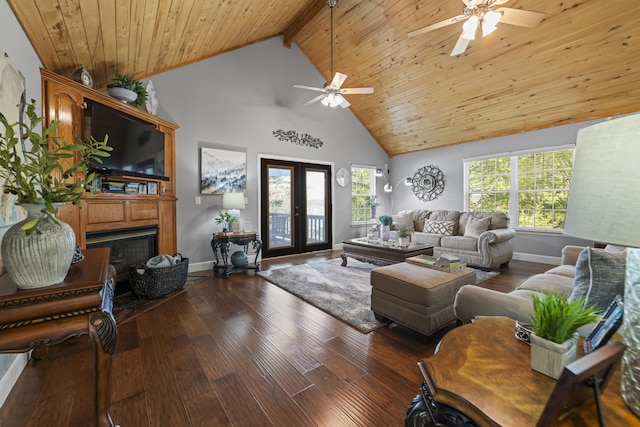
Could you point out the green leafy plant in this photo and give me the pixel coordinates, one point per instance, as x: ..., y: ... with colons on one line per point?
x: 225, y: 218
x: 128, y: 82
x: 386, y: 219
x: 374, y: 202
x: 50, y: 171
x: 403, y: 232
x: 556, y: 319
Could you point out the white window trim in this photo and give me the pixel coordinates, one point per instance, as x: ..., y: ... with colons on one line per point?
x: 514, y: 178
x: 374, y: 191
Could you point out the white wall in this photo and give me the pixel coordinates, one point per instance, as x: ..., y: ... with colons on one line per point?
x: 527, y: 245
x: 15, y: 43
x: 238, y: 99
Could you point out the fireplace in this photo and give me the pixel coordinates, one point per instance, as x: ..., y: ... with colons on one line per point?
x: 129, y: 247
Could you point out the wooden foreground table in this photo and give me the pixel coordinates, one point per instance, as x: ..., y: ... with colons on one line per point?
x: 36, y: 318
x: 482, y: 376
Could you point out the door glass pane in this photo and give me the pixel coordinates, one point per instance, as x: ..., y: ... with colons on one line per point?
x: 280, y: 202
x: 316, y: 206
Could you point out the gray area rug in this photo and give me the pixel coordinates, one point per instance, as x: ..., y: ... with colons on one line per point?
x: 343, y: 292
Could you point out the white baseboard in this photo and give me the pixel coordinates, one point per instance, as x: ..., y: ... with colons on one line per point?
x: 10, y: 377
x: 543, y: 259
x: 200, y: 266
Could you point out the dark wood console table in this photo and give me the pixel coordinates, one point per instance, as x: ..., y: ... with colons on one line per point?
x: 482, y: 376
x: 37, y: 318
x: 220, y: 244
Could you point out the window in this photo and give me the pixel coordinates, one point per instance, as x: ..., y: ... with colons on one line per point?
x: 532, y: 188
x: 363, y: 191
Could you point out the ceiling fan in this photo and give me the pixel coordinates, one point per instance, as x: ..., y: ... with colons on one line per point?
x: 480, y: 14
x: 332, y: 92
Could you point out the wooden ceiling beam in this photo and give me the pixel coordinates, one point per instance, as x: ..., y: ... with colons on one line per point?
x: 302, y: 20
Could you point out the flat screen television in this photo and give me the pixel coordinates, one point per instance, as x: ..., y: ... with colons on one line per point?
x: 138, y: 147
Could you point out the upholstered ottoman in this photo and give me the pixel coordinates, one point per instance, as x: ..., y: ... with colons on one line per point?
x: 418, y: 297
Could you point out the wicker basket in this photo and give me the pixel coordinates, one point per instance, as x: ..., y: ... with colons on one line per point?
x: 151, y: 283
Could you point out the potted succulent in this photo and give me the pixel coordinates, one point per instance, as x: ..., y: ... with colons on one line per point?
x: 227, y: 219
x: 555, y: 322
x: 403, y: 234
x: 38, y: 250
x: 127, y: 89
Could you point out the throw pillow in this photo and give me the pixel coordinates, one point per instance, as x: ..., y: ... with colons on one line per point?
x: 439, y: 227
x: 403, y: 220
x: 476, y: 226
x: 599, y: 277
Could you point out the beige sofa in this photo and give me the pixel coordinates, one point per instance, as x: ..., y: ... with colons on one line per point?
x: 594, y: 274
x: 480, y: 239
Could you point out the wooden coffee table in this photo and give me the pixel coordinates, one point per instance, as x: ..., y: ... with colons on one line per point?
x: 381, y: 254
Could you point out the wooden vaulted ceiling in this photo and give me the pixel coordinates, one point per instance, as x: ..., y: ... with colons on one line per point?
x: 582, y: 62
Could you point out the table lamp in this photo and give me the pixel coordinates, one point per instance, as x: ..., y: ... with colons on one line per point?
x: 604, y: 206
x: 233, y: 202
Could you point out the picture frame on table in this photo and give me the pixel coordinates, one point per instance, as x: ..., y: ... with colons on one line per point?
x: 247, y: 227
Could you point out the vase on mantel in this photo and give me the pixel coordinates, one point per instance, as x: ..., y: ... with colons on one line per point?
x: 38, y: 260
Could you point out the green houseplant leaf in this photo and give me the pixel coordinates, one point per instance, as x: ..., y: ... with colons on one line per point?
x: 556, y: 319
x: 127, y: 81
x: 44, y: 171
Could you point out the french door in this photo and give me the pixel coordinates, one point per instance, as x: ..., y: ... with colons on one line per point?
x: 295, y: 207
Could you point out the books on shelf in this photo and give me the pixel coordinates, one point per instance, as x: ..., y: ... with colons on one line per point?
x: 447, y: 263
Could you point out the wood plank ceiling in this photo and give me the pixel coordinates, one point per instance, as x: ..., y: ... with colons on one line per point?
x: 582, y: 62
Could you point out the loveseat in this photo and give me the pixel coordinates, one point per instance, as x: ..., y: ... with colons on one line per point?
x: 597, y: 275
x: 481, y: 239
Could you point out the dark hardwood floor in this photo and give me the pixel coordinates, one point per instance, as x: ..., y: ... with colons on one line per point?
x: 237, y: 352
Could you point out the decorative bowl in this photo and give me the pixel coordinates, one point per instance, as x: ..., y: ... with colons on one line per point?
x: 122, y: 93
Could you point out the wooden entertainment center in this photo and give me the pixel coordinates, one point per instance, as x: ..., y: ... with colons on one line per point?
x: 64, y: 100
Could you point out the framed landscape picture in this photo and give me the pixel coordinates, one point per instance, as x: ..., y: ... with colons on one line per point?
x: 222, y: 171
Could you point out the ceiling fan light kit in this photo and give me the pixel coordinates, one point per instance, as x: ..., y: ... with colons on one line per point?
x: 480, y: 14
x: 332, y: 92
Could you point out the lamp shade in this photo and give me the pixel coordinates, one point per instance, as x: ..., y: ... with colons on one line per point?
x: 604, y: 202
x: 604, y: 199
x: 233, y: 201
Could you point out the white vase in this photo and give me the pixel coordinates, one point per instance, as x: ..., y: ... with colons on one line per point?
x: 550, y: 358
x: 38, y: 260
x: 384, y: 232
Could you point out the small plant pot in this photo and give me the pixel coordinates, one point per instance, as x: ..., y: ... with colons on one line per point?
x: 122, y: 93
x: 550, y: 358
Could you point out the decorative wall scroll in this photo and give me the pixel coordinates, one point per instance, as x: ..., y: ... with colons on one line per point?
x: 428, y: 183
x: 295, y: 138
x: 222, y: 171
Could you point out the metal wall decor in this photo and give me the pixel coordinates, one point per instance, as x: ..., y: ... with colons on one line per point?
x: 295, y: 138
x: 428, y: 183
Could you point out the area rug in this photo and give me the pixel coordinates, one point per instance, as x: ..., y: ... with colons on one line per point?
x: 343, y: 292
x: 126, y: 306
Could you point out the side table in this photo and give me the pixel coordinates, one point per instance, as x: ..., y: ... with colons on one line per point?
x: 220, y: 244
x: 482, y: 376
x: 31, y: 319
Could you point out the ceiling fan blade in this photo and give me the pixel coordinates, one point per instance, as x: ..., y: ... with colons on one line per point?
x: 356, y: 90
x: 460, y: 46
x: 317, y: 89
x: 316, y: 99
x: 337, y: 81
x: 437, y: 25
x: 521, y: 18
x: 498, y: 2
x: 344, y: 103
